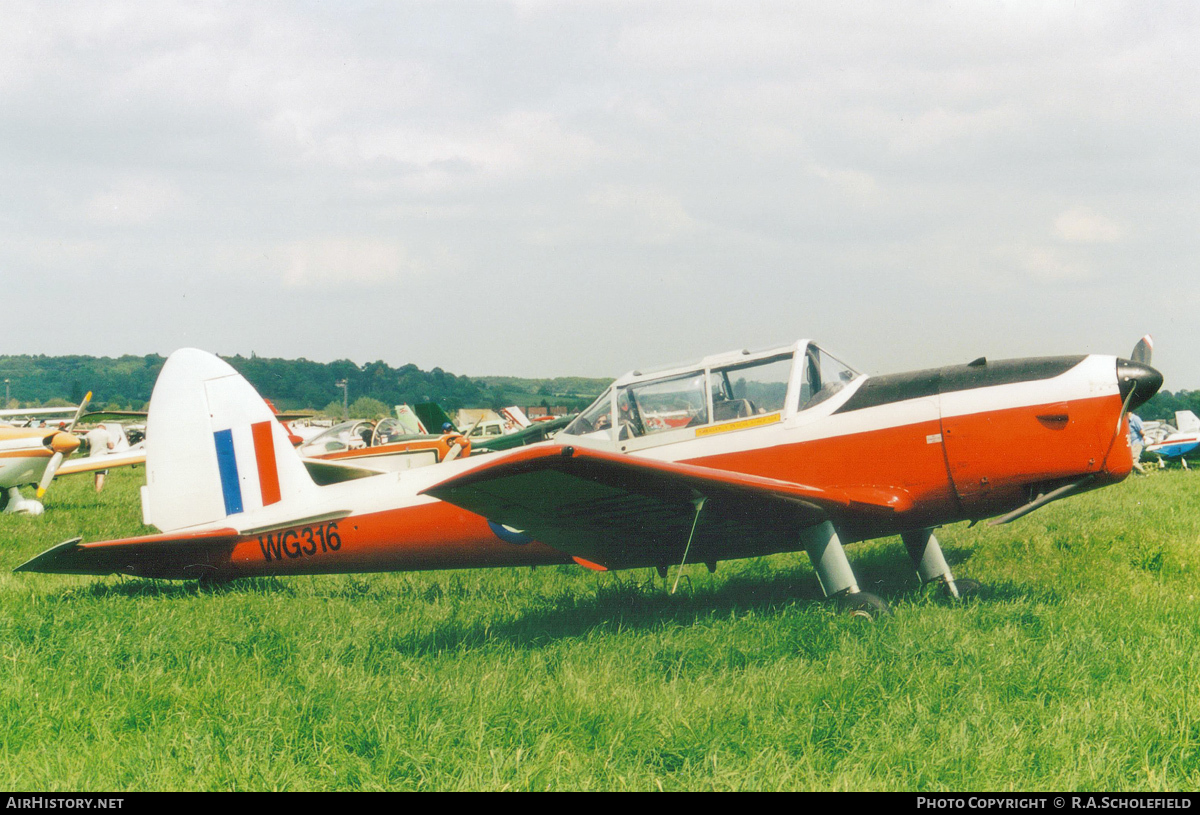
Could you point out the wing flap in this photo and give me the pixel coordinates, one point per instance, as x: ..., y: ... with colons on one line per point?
x: 174, y: 555
x: 625, y: 511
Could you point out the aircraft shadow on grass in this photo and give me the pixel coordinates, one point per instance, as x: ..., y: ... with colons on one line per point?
x: 634, y: 600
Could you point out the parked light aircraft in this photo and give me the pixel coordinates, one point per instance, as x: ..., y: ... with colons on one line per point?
x: 32, y: 456
x: 118, y: 451
x: 432, y: 415
x: 39, y: 416
x: 1169, y: 442
x: 782, y: 450
x: 384, y: 446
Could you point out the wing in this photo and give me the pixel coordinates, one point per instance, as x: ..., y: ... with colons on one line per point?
x: 191, y: 555
x: 626, y: 511
x: 539, y: 431
x: 96, y: 416
x: 104, y: 461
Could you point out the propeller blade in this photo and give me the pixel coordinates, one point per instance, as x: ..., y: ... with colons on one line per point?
x: 63, y: 444
x: 82, y: 407
x: 471, y: 429
x: 1142, y: 351
x: 456, y: 447
x: 56, y: 461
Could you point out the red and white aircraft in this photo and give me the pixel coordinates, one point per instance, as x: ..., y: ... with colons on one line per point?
x: 737, y: 455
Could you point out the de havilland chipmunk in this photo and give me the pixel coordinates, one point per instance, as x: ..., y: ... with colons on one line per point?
x: 737, y: 455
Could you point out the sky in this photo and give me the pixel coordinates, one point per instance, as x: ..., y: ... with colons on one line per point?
x: 583, y: 188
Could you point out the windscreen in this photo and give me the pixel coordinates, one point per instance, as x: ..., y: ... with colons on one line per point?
x: 597, y: 417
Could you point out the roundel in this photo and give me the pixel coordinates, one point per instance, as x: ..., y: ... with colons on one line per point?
x: 509, y: 535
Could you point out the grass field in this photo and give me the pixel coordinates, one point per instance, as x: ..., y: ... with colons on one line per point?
x: 1077, y: 667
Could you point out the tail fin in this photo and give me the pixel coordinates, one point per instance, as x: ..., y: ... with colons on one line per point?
x: 517, y: 416
x: 213, y: 447
x: 1186, y: 421
x: 433, y: 417
x: 409, y: 420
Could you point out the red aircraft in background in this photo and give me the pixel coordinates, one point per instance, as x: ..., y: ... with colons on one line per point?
x: 736, y: 455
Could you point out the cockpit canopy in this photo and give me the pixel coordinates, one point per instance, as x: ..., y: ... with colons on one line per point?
x: 722, y: 388
x: 354, y: 434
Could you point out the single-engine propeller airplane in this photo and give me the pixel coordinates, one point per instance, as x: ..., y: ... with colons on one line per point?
x: 383, y: 446
x: 736, y: 455
x: 33, y: 456
x: 1171, y: 442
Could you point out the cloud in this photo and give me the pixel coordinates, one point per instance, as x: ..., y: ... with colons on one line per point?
x: 825, y: 154
x: 646, y: 214
x: 337, y: 261
x: 1082, y: 225
x: 1042, y: 263
x: 133, y: 202
x: 858, y: 186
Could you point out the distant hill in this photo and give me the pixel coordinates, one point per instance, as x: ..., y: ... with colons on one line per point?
x: 575, y: 392
x: 126, y: 382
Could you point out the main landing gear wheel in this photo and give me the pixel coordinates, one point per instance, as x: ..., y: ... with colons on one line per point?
x: 965, y: 586
x: 863, y: 605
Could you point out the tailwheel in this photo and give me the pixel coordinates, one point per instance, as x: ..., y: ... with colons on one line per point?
x: 864, y: 606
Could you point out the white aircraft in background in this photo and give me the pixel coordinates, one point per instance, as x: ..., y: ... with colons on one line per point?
x: 108, y: 446
x: 34, y: 417
x: 31, y: 455
x: 1168, y: 442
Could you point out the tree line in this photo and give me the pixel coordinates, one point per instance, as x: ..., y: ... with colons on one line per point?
x: 1162, y: 405
x: 125, y: 383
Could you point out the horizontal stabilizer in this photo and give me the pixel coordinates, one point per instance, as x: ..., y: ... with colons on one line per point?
x: 324, y: 472
x: 187, y: 555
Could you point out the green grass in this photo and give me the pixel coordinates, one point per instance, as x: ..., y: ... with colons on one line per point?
x: 1077, y: 667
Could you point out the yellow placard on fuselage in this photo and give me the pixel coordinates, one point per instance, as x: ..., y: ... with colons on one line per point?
x: 741, y: 424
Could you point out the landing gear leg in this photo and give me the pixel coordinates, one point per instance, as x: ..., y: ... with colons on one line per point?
x: 931, y: 565
x: 835, y: 575
x: 22, y: 506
